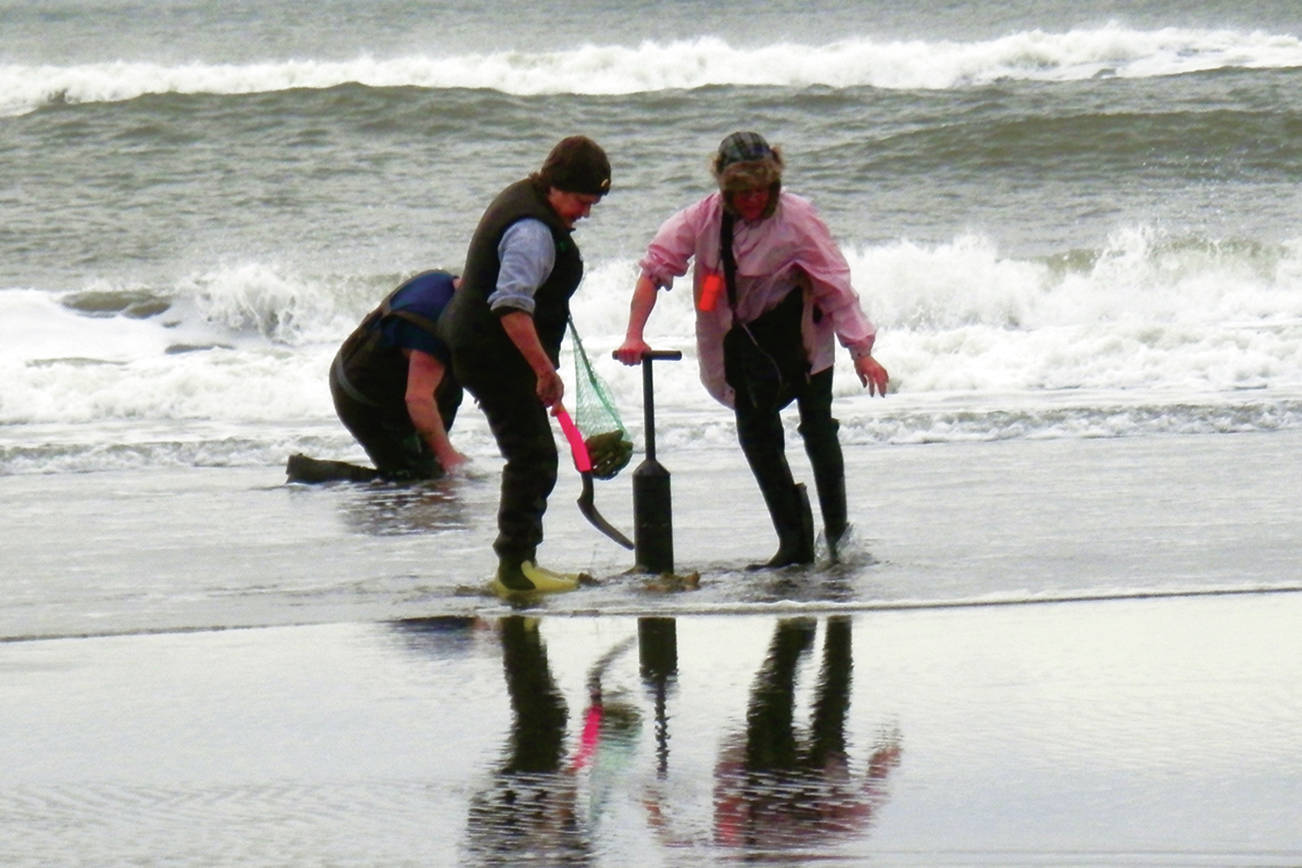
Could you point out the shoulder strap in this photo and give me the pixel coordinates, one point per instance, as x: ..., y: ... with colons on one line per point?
x: 729, y: 261
x: 730, y: 271
x: 423, y: 323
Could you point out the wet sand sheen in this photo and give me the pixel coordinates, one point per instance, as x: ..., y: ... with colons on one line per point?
x: 1160, y: 730
x: 885, y: 709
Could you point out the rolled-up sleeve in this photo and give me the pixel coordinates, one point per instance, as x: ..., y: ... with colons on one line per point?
x: 527, y: 254
x: 674, y: 245
x: 829, y: 280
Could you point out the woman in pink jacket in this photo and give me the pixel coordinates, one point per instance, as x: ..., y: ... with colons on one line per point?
x: 771, y: 289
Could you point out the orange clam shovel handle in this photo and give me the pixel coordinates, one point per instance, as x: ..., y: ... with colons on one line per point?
x: 583, y: 464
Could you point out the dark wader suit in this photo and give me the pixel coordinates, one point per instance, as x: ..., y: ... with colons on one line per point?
x: 488, y: 364
x: 368, y: 382
x: 762, y: 439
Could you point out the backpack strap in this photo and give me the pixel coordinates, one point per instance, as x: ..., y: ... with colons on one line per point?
x: 423, y: 323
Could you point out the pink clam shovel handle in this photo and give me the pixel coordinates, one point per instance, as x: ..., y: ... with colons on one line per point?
x: 578, y: 449
x: 583, y: 464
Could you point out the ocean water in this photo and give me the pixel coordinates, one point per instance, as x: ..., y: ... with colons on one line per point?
x: 1077, y: 225
x: 1067, y: 220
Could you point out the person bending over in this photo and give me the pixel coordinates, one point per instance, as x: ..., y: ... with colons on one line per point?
x: 391, y: 383
x: 772, y: 289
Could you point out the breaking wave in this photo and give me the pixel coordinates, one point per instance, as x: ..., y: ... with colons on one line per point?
x: 1032, y: 55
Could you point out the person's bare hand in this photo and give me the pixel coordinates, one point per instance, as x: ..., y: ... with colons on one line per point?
x: 631, y: 351
x: 453, y: 460
x: 872, y: 375
x: 550, y: 387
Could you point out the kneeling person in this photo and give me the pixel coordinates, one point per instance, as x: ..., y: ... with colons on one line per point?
x: 392, y: 385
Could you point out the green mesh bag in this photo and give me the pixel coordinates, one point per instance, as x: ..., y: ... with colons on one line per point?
x: 607, y: 439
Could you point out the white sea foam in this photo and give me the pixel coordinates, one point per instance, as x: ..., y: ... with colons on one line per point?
x: 1151, y: 334
x: 651, y: 66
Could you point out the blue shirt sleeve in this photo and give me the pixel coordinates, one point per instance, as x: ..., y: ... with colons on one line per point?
x: 528, y: 254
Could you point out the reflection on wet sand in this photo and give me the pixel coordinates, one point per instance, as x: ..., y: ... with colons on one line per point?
x: 777, y: 787
x: 394, y: 509
x: 528, y: 806
x: 657, y: 642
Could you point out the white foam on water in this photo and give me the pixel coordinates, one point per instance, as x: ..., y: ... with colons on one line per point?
x: 858, y: 61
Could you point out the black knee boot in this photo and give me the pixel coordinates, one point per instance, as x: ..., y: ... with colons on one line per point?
x: 761, y: 438
x: 794, y: 522
x: 301, y: 468
x: 831, y: 502
x: 823, y: 446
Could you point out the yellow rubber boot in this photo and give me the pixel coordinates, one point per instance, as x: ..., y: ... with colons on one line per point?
x: 540, y: 576
x: 527, y: 577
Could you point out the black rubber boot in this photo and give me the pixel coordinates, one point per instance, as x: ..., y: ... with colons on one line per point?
x: 794, y: 521
x: 825, y: 458
x: 831, y: 502
x: 761, y: 437
x: 301, y: 468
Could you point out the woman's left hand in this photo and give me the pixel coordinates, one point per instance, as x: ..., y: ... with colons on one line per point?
x: 872, y: 375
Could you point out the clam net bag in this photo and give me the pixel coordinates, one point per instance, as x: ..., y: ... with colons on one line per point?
x: 604, y: 433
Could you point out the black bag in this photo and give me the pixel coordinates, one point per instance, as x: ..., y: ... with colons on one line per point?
x: 749, y: 368
x: 762, y: 358
x: 765, y: 357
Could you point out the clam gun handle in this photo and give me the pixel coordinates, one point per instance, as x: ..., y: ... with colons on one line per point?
x: 578, y: 448
x: 653, y: 530
x: 659, y: 355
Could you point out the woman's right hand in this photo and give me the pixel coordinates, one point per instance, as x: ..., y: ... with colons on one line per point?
x: 632, y: 350
x: 550, y: 387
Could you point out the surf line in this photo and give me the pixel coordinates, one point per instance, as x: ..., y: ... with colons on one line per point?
x: 790, y: 607
x: 1082, y: 597
x: 781, y: 608
x: 770, y: 609
x: 129, y: 632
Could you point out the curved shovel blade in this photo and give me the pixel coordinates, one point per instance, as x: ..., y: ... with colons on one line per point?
x: 583, y: 464
x: 589, y: 510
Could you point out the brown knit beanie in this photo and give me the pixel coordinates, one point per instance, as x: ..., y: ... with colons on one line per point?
x: 576, y: 164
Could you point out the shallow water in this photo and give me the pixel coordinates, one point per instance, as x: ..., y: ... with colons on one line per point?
x: 132, y: 551
x: 1036, y: 652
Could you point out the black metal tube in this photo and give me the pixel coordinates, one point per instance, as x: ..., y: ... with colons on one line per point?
x: 653, y: 526
x: 649, y: 407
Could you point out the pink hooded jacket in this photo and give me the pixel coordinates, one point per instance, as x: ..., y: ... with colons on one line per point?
x: 792, y: 248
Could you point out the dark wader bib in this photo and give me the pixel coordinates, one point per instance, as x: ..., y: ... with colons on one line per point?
x: 766, y: 365
x: 490, y: 366
x: 368, y: 382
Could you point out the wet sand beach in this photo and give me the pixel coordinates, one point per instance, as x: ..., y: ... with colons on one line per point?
x: 1116, y: 732
x: 179, y: 549
x: 1049, y: 652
